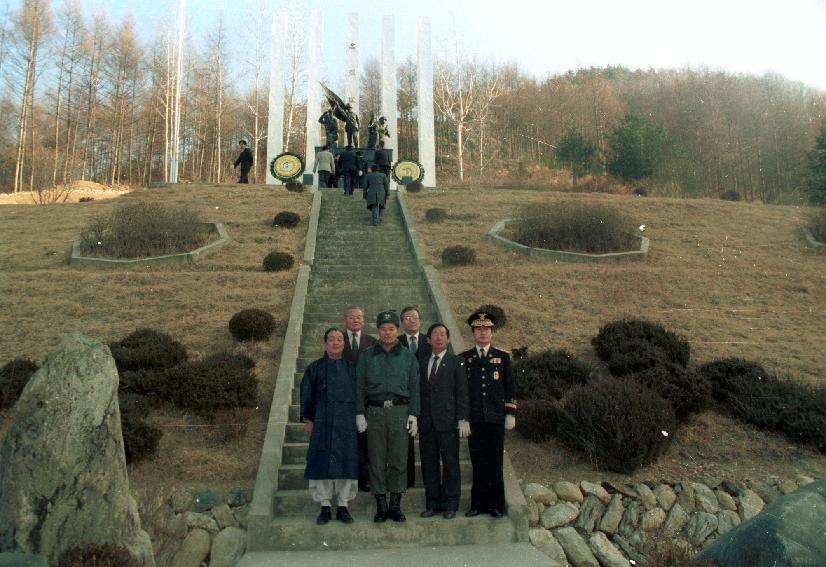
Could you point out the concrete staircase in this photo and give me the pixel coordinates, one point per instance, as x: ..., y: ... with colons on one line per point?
x: 375, y: 268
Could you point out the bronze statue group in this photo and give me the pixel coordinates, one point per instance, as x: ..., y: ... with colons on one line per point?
x: 365, y: 399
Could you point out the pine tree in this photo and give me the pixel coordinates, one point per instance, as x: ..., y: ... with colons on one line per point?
x: 636, y: 148
x: 577, y: 152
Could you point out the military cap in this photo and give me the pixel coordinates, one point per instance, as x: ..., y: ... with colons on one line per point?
x: 388, y: 316
x: 481, y: 319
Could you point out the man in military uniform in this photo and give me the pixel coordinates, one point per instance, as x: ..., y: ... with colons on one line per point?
x: 492, y: 410
x: 330, y: 123
x: 387, y: 407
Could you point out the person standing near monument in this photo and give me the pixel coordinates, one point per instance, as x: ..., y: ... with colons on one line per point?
x: 330, y: 123
x: 380, y: 159
x: 325, y: 165
x: 245, y: 160
x: 328, y: 410
x: 348, y: 166
x: 377, y: 186
x: 492, y: 411
x: 351, y: 126
x: 387, y: 406
x: 355, y: 341
x: 443, y: 420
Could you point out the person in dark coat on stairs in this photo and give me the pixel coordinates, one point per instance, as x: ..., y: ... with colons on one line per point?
x: 376, y: 192
x: 348, y: 166
x: 328, y: 410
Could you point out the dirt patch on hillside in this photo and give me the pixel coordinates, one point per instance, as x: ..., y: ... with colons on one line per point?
x: 70, y: 193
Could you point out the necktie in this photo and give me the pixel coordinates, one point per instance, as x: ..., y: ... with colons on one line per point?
x: 433, y: 369
x: 482, y: 354
x: 354, y: 345
x: 413, y: 345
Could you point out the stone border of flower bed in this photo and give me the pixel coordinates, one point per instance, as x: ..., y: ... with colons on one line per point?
x: 182, y: 258
x: 562, y: 256
x: 813, y: 242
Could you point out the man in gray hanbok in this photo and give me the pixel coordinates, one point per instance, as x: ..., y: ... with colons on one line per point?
x: 328, y: 410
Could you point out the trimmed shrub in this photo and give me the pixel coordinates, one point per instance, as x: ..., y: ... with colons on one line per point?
x: 286, y: 219
x: 519, y: 353
x: 97, y: 555
x: 498, y: 313
x: 435, y: 215
x: 85, y: 199
x: 617, y: 423
x: 632, y: 345
x: 231, y: 424
x: 575, y: 227
x: 548, y: 375
x: 414, y: 187
x: 686, y: 390
x: 726, y: 374
x: 278, y: 262
x: 147, y: 348
x: 730, y: 196
x: 537, y: 419
x: 14, y: 376
x: 220, y: 381
x: 458, y: 256
x: 640, y: 192
x: 817, y: 225
x: 294, y: 186
x: 252, y: 325
x: 143, y: 230
x: 140, y: 440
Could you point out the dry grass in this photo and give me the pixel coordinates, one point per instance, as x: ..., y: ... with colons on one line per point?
x: 737, y: 279
x: 41, y: 298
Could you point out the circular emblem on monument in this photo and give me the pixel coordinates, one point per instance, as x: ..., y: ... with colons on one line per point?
x: 287, y: 166
x: 407, y: 171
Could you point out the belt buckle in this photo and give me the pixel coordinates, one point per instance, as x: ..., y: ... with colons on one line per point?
x: 388, y: 403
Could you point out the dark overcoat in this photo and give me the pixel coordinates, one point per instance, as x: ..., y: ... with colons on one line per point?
x: 377, y: 186
x: 328, y: 399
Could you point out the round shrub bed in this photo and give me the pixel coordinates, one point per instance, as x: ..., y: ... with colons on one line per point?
x: 278, y: 262
x: 252, y: 325
x: 294, y: 186
x: 435, y: 215
x: 632, y: 345
x: 616, y: 423
x: 147, y: 348
x: 574, y: 227
x: 458, y: 256
x: 218, y: 382
x: 686, y: 390
x: 414, y: 187
x: 14, y: 376
x: 286, y: 219
x: 140, y: 440
x: 143, y: 230
x: 537, y: 419
x: 548, y: 375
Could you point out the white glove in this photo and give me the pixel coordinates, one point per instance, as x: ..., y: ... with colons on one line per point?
x: 464, y: 428
x: 412, y: 425
x: 510, y: 422
x: 361, y: 423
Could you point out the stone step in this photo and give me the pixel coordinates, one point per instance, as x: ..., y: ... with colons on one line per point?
x: 294, y: 533
x: 299, y: 503
x: 296, y: 453
x: 478, y: 555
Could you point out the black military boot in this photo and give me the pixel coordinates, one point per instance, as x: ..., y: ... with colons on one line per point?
x: 395, y: 511
x: 381, y: 508
x: 324, y: 516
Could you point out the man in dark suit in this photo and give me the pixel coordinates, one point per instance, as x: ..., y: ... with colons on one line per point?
x: 348, y: 165
x: 492, y: 411
x: 355, y: 342
x: 442, y: 421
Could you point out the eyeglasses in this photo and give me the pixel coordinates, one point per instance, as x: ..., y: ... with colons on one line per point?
x: 410, y: 318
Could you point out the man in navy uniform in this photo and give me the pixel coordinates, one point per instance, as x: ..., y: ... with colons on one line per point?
x: 492, y: 410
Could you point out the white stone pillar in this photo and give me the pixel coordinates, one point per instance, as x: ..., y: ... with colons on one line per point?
x: 275, y: 124
x: 351, y: 78
x: 314, y: 96
x: 427, y: 134
x: 389, y: 105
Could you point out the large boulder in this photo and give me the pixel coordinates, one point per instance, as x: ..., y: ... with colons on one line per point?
x: 63, y: 478
x: 787, y: 533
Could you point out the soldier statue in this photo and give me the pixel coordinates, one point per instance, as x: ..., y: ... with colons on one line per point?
x: 331, y: 126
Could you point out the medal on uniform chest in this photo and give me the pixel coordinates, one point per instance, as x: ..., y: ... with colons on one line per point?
x: 496, y: 375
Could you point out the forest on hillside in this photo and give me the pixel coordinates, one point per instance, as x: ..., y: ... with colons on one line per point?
x: 84, y: 97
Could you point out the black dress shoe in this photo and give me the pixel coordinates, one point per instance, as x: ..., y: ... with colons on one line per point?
x: 428, y: 513
x: 496, y: 513
x: 343, y: 515
x: 449, y: 514
x: 324, y: 516
x: 472, y: 512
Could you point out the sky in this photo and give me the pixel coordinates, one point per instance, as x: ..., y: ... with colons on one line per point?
x: 545, y: 37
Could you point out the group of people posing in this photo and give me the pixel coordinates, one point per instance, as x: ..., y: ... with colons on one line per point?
x: 365, y: 399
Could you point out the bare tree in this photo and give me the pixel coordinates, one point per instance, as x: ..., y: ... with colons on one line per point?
x: 32, y: 26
